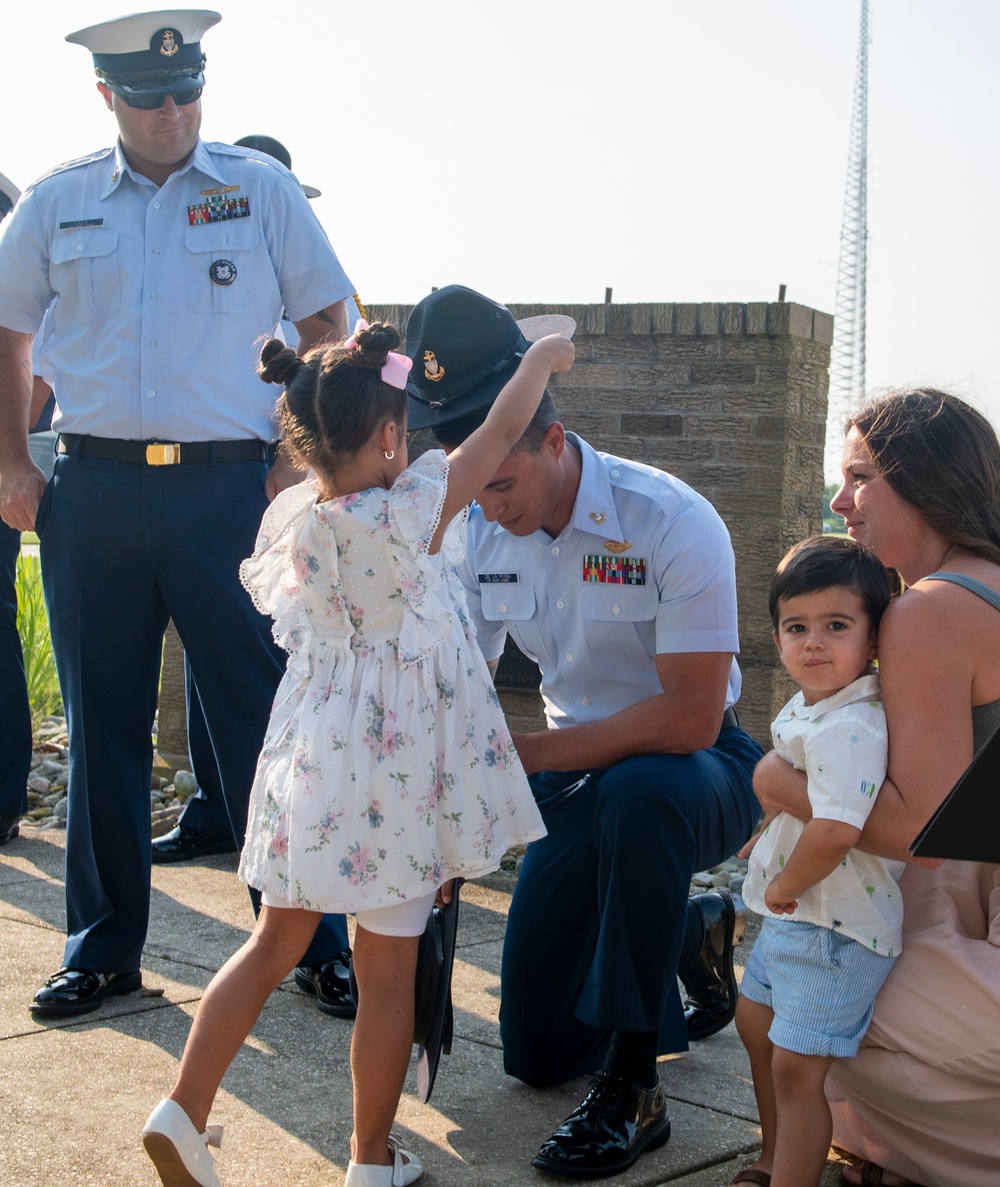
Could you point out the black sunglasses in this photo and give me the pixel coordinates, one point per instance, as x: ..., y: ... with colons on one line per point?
x: 147, y: 102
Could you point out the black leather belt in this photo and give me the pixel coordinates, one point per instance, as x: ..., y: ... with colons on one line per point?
x: 729, y: 720
x: 163, y: 453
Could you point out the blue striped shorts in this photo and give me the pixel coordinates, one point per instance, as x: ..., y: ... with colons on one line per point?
x: 820, y: 984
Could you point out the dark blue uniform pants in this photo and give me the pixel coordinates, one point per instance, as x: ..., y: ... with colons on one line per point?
x: 596, y: 929
x: 15, y: 715
x: 125, y: 547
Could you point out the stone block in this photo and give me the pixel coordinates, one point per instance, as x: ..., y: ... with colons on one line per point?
x: 757, y: 317
x: 767, y: 455
x: 684, y: 399
x: 769, y: 428
x: 733, y: 318
x: 759, y: 349
x: 682, y: 453
x: 662, y: 425
x: 669, y: 373
x: 686, y: 319
x: 777, y: 317
x: 800, y: 321
x: 614, y: 347
x: 728, y: 375
x: 690, y: 347
x: 727, y: 427
x: 663, y: 319
x: 709, y: 318
x: 823, y: 327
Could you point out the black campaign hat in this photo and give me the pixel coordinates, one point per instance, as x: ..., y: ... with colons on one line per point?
x: 149, y: 53
x: 464, y: 348
x: 966, y: 826
x: 433, y: 1019
x: 433, y: 1016
x: 274, y: 148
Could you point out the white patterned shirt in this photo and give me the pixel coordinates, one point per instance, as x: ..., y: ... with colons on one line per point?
x: 842, y: 744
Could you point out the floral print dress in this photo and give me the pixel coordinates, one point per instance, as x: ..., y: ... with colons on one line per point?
x: 387, y: 767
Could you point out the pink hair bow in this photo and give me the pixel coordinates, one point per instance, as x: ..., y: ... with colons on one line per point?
x: 396, y: 370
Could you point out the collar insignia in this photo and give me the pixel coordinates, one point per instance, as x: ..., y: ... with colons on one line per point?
x: 598, y: 517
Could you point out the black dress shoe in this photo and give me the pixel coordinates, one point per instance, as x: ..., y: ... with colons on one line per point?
x: 10, y: 826
x: 77, y: 991
x: 330, y: 984
x: 183, y: 844
x: 710, y: 981
x: 607, y: 1131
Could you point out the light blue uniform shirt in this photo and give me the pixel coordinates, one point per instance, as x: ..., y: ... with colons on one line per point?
x: 142, y: 343
x: 594, y: 614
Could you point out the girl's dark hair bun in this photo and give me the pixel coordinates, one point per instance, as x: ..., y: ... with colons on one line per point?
x: 278, y: 362
x: 379, y: 338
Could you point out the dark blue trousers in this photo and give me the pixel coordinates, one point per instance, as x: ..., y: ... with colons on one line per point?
x: 205, y: 811
x: 125, y: 547
x: 15, y: 715
x: 596, y: 930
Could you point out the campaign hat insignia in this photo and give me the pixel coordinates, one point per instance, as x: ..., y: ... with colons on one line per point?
x: 432, y: 368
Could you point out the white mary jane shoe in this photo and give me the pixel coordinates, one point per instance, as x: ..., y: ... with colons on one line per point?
x: 179, y: 1152
x: 406, y: 1168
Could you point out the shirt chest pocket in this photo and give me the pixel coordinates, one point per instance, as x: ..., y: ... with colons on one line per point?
x: 514, y: 604
x: 84, y: 272
x: 219, y: 266
x: 621, y: 621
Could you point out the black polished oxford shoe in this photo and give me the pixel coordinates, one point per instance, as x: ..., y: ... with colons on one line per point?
x: 185, y: 844
x: 710, y: 980
x: 78, y: 991
x: 10, y: 826
x: 614, y: 1123
x: 330, y: 984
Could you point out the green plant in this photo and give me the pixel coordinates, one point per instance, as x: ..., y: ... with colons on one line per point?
x: 36, y: 642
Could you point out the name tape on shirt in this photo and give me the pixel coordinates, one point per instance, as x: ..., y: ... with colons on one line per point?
x: 77, y: 224
x: 615, y: 570
x: 218, y: 210
x: 498, y: 579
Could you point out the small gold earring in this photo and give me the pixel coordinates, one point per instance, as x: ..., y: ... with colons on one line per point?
x: 389, y: 455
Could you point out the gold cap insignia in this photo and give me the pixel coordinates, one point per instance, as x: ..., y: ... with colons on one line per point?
x: 432, y: 368
x: 169, y: 46
x: 598, y: 516
x: 617, y: 547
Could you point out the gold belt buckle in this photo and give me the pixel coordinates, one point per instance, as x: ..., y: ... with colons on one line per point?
x: 161, y: 453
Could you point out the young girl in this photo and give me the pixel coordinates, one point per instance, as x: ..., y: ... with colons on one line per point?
x: 387, y: 769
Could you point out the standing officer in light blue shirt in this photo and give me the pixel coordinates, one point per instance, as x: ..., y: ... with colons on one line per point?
x: 166, y: 260
x: 619, y: 581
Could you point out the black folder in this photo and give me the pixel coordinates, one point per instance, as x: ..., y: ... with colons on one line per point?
x: 967, y: 824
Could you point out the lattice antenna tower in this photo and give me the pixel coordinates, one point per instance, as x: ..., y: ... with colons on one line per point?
x: 847, y: 359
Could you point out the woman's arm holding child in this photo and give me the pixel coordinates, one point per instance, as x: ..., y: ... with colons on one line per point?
x: 473, y: 463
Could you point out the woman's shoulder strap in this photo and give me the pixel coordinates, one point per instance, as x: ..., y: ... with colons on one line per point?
x: 969, y: 583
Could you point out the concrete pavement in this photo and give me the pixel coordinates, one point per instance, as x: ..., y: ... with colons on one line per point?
x: 75, y: 1093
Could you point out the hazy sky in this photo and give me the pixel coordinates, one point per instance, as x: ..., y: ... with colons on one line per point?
x: 543, y: 150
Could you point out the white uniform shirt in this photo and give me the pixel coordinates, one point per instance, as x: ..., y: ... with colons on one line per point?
x: 644, y: 567
x: 842, y: 744
x: 163, y: 296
